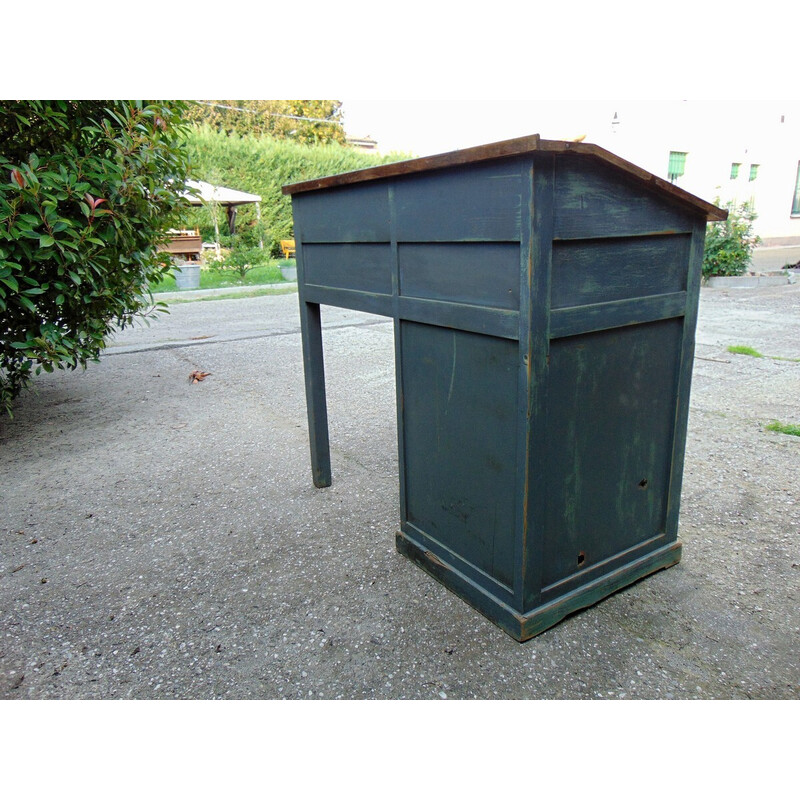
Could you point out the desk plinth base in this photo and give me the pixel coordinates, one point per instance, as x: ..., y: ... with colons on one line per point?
x: 525, y: 626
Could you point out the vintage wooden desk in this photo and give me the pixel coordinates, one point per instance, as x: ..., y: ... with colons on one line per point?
x: 544, y: 297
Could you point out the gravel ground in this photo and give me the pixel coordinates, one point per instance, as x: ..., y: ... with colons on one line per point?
x: 163, y: 539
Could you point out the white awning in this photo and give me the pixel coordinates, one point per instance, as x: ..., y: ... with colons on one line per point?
x: 219, y: 194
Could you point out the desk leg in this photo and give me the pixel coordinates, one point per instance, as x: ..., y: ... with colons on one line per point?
x: 314, y: 368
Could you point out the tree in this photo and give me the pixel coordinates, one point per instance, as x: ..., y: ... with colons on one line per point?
x: 87, y: 191
x: 307, y: 121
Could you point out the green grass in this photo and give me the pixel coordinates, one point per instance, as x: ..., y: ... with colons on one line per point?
x: 780, y: 427
x: 210, y: 279
x: 744, y: 350
x: 235, y: 294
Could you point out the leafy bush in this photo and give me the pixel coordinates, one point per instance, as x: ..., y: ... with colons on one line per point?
x: 240, y: 260
x: 87, y: 190
x: 730, y: 243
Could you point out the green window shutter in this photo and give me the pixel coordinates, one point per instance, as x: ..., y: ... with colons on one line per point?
x: 753, y: 171
x: 796, y: 201
x: 677, y: 165
x: 735, y: 171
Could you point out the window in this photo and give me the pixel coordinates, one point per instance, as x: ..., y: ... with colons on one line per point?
x: 796, y: 201
x: 735, y: 171
x: 753, y: 171
x: 677, y: 165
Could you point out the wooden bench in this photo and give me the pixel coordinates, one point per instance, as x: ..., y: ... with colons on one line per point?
x: 287, y: 245
x: 185, y: 243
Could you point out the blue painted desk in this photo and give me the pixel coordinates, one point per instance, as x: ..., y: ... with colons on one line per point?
x: 544, y: 297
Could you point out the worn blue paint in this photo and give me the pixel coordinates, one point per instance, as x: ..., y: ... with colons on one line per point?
x: 544, y: 303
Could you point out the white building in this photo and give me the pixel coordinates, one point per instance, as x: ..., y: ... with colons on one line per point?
x: 748, y: 154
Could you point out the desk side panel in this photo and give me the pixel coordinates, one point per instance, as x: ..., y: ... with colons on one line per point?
x: 592, y: 271
x: 612, y: 400
x: 592, y: 200
x: 619, y: 294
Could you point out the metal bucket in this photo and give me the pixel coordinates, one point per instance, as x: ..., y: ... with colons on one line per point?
x: 187, y: 275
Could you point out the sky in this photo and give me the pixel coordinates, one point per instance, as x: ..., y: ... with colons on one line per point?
x: 428, y: 125
x: 423, y: 126
x: 420, y: 76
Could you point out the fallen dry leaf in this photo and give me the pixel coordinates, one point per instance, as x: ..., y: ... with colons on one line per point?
x: 196, y: 376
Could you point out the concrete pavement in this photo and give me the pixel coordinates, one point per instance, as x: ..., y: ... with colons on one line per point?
x: 163, y: 539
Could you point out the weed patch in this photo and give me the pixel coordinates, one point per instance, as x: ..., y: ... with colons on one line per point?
x: 780, y: 427
x: 744, y: 350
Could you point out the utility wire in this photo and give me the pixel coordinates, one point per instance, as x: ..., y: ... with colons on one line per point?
x: 268, y: 113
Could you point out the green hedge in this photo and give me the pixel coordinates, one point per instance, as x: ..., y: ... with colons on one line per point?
x: 262, y: 165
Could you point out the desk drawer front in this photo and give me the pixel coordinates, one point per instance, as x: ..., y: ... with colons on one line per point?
x: 361, y: 267
x: 485, y: 274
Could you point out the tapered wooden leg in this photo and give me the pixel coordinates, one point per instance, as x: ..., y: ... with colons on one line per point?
x: 314, y: 368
